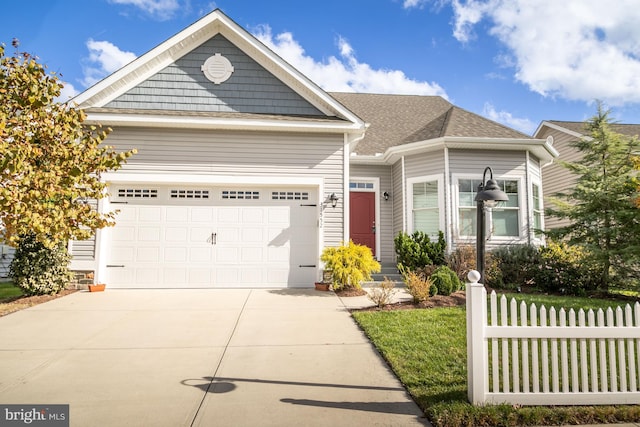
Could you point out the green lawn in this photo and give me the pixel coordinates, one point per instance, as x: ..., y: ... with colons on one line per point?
x: 8, y: 290
x: 427, y: 350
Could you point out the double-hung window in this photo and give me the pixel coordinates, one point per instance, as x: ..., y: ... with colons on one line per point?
x: 425, y: 205
x: 537, y: 211
x: 504, y: 219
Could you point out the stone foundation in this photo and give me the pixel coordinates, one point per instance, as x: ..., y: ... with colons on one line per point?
x: 82, y: 279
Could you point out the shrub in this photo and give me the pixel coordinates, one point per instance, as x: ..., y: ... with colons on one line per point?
x: 349, y: 264
x: 462, y: 261
x: 39, y: 270
x: 418, y: 285
x: 383, y: 293
x: 445, y: 280
x: 417, y: 250
x: 517, y: 264
x: 565, y: 268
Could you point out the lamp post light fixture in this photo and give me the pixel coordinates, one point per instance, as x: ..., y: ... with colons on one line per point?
x: 488, y: 196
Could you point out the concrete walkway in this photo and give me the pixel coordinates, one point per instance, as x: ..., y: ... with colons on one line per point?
x: 201, y: 358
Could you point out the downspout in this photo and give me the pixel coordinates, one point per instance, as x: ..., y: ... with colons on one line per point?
x: 448, y: 232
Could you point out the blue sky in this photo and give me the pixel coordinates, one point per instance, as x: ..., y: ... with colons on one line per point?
x: 517, y: 62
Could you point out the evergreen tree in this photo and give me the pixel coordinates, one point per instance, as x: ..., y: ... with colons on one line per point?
x: 601, y: 206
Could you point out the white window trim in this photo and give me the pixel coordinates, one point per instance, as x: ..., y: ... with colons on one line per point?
x: 441, y: 204
x: 537, y: 182
x: 522, y: 217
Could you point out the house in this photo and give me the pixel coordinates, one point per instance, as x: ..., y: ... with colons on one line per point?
x: 557, y: 178
x: 246, y: 169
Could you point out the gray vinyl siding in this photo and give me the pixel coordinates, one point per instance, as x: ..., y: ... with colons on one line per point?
x: 251, y: 154
x: 385, y: 225
x: 84, y: 250
x: 182, y: 86
x: 555, y: 177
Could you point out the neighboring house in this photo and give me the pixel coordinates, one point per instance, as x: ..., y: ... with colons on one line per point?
x: 246, y: 169
x: 556, y: 178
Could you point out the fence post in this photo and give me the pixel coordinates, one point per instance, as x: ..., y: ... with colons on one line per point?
x: 477, y: 347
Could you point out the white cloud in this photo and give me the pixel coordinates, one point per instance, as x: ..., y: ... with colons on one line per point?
x: 344, y: 73
x: 572, y: 49
x: 159, y: 9
x: 104, y: 58
x: 67, y: 92
x: 506, y: 118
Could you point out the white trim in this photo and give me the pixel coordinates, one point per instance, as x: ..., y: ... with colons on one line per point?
x: 441, y: 200
x: 522, y: 224
x: 538, y: 183
x: 404, y: 197
x: 448, y: 233
x: 200, y: 122
x: 376, y: 190
x: 238, y: 180
x: 558, y: 128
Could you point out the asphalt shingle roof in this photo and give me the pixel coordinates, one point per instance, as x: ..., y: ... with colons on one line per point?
x: 401, y: 119
x: 579, y: 127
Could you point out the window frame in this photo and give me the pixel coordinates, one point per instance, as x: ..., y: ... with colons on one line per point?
x: 539, y: 236
x: 522, y: 211
x: 439, y: 179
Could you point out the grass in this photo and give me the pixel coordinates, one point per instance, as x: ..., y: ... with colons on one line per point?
x: 426, y: 348
x: 8, y: 290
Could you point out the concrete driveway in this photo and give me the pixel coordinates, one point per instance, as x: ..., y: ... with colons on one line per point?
x: 201, y: 358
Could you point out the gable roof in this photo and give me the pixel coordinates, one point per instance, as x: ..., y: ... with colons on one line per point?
x: 96, y: 98
x: 397, y: 120
x: 578, y: 128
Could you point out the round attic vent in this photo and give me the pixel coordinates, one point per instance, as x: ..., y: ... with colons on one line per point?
x: 217, y: 68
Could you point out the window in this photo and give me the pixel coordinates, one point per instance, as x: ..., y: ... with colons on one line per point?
x: 537, y: 211
x: 504, y: 218
x: 425, y: 206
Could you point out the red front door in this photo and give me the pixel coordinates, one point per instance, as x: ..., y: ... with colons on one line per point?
x: 363, y: 219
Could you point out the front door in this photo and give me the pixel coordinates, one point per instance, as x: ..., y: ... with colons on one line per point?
x: 363, y: 219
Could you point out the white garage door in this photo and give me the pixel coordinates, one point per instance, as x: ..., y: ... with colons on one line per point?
x: 212, y: 237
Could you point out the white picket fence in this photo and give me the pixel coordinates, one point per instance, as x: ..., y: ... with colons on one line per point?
x: 534, y: 356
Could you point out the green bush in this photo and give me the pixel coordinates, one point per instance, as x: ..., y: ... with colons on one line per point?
x: 39, y: 270
x: 417, y: 250
x: 518, y: 265
x: 349, y: 264
x: 445, y: 280
x: 565, y: 269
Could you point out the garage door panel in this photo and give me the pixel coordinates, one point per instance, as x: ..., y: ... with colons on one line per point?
x: 149, y: 234
x: 251, y: 255
x: 200, y: 255
x: 209, y: 242
x: 151, y: 254
x: 149, y: 213
x: 177, y: 214
x: 175, y: 254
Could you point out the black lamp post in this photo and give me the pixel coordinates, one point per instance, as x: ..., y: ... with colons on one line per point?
x: 489, y: 194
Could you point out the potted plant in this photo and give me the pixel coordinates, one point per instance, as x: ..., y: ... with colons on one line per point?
x: 98, y: 287
x: 350, y: 265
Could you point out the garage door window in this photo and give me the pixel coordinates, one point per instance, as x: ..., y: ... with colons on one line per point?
x: 240, y: 195
x: 189, y: 194
x: 289, y: 195
x: 138, y: 193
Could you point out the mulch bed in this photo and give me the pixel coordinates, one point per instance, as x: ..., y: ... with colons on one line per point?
x: 10, y: 305
x: 453, y: 300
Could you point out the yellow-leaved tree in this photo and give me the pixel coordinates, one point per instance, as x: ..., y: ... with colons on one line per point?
x: 50, y: 162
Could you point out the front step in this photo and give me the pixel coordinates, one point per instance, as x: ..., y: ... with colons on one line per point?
x: 388, y: 271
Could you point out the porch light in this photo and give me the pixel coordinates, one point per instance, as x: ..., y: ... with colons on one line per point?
x: 386, y: 195
x: 334, y: 200
x: 489, y: 194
